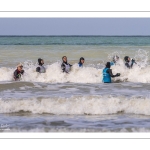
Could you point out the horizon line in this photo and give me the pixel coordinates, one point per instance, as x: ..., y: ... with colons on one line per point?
x: 74, y: 35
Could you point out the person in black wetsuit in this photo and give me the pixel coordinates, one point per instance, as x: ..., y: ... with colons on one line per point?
x: 107, y: 73
x: 65, y: 66
x: 41, y: 68
x: 18, y: 72
x: 129, y: 62
x: 81, y: 62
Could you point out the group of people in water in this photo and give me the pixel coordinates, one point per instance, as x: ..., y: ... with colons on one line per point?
x: 66, y: 67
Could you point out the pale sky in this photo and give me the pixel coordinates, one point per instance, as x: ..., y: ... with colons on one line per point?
x: 74, y: 26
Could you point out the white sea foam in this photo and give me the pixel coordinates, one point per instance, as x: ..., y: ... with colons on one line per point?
x: 89, y: 74
x: 54, y: 74
x: 75, y: 105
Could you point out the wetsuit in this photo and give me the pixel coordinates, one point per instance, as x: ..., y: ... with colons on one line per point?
x: 107, y: 74
x: 65, y: 67
x: 129, y: 64
x: 41, y: 69
x: 17, y: 74
x: 80, y: 64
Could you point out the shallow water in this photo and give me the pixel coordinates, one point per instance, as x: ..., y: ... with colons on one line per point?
x: 26, y: 122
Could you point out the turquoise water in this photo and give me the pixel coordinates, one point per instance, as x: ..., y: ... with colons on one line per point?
x: 76, y: 40
x: 95, y: 49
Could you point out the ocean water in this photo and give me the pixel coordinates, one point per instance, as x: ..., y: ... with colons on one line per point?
x: 78, y: 101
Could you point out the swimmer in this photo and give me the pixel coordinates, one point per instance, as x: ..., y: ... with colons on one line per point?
x: 129, y: 62
x: 81, y: 62
x: 41, y: 68
x: 115, y: 60
x: 65, y: 66
x: 107, y: 73
x: 18, y: 72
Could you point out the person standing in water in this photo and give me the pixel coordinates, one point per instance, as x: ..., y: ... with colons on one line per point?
x: 81, y: 62
x: 129, y: 62
x: 41, y: 68
x: 107, y: 73
x: 65, y: 66
x: 115, y: 60
x: 18, y: 72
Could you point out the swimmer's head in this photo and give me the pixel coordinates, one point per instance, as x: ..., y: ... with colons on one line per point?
x: 19, y: 66
x: 127, y: 59
x: 64, y: 59
x: 40, y: 61
x: 81, y: 60
x: 108, y: 65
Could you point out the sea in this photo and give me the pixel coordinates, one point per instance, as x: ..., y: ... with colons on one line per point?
x: 79, y: 101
